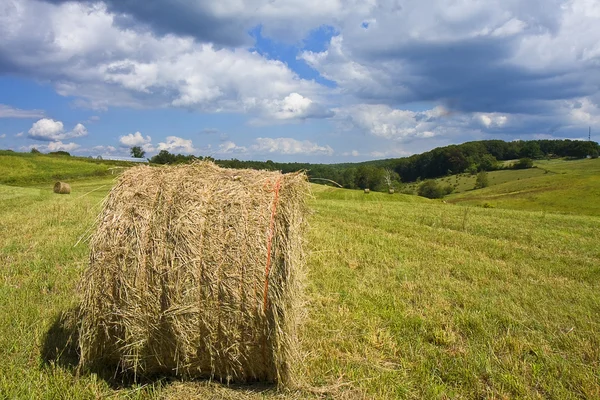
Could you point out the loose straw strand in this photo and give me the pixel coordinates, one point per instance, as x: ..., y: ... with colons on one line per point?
x: 276, y: 188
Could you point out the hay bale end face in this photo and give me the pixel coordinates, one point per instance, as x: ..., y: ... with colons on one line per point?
x: 391, y: 191
x: 62, y: 188
x: 367, y: 191
x: 196, y: 271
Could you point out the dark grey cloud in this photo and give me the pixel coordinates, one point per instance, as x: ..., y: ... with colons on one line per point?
x: 473, y: 76
x: 177, y: 17
x: 508, y: 56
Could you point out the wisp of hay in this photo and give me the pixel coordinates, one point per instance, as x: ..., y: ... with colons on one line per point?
x: 195, y: 271
x: 62, y: 188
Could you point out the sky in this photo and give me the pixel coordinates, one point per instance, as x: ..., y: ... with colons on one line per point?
x: 295, y: 80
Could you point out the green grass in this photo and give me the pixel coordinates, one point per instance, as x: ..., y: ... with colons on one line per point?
x: 406, y: 298
x: 27, y: 168
x: 466, y: 182
x: 567, y: 187
x: 323, y: 192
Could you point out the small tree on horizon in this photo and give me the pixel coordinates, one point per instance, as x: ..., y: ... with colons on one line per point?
x: 137, y: 152
x: 391, y: 178
x: 482, y: 180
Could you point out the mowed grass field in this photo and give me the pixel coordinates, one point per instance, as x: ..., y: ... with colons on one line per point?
x: 571, y: 187
x: 405, y: 298
x: 27, y: 168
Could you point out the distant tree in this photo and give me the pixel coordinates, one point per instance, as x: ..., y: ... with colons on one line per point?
x: 34, y: 151
x: 60, y: 153
x: 488, y: 163
x: 163, y: 157
x: 581, y: 149
x: 270, y: 165
x: 530, y: 149
x: 431, y: 190
x: 391, y: 178
x: 137, y: 152
x: 482, y: 180
x: 523, y: 163
x: 349, y: 178
x: 472, y: 169
x: 369, y: 177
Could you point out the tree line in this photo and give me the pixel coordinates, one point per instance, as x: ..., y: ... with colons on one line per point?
x: 379, y: 175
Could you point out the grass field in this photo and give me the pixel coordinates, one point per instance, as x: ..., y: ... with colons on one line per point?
x: 406, y: 297
x: 571, y: 187
x: 27, y: 168
x: 466, y: 182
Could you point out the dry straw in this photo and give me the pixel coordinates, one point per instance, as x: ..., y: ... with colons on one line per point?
x: 62, y: 188
x: 196, y: 271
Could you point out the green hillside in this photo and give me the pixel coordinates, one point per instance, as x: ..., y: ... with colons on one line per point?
x: 407, y: 297
x: 554, y: 186
x: 27, y: 168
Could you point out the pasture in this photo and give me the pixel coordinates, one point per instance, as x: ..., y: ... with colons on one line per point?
x: 569, y: 187
x: 406, y: 297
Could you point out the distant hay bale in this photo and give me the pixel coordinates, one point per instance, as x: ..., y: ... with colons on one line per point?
x: 196, y: 271
x: 62, y: 188
x: 391, y: 191
x: 367, y: 191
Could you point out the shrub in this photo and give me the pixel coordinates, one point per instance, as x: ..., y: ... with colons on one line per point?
x: 523, y: 163
x: 431, y: 190
x: 448, y: 189
x: 482, y: 180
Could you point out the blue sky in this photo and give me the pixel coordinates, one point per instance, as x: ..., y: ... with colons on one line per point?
x: 295, y: 80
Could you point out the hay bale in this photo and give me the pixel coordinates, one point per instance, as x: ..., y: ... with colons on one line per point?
x: 196, y: 271
x: 367, y: 191
x: 62, y: 188
x: 391, y: 191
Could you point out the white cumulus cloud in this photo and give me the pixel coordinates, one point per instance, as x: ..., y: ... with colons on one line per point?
x: 229, y: 147
x: 175, y: 144
x: 134, y: 139
x: 83, y: 49
x: 294, y: 106
x: 494, y: 120
x: 386, y: 122
x: 53, y: 146
x: 47, y: 129
x: 289, y: 146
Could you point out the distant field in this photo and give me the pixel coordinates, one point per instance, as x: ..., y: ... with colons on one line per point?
x: 567, y: 186
x: 466, y: 182
x: 406, y: 297
x: 323, y: 192
x: 26, y: 168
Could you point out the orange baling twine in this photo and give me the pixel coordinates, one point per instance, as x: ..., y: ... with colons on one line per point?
x: 276, y: 188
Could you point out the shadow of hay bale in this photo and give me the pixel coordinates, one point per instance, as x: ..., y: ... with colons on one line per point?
x: 61, y: 342
x: 60, y: 348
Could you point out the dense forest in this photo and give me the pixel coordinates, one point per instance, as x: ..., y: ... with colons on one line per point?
x: 470, y: 157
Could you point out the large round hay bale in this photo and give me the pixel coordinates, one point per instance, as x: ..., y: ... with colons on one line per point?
x: 367, y: 191
x: 195, y: 271
x: 62, y: 188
